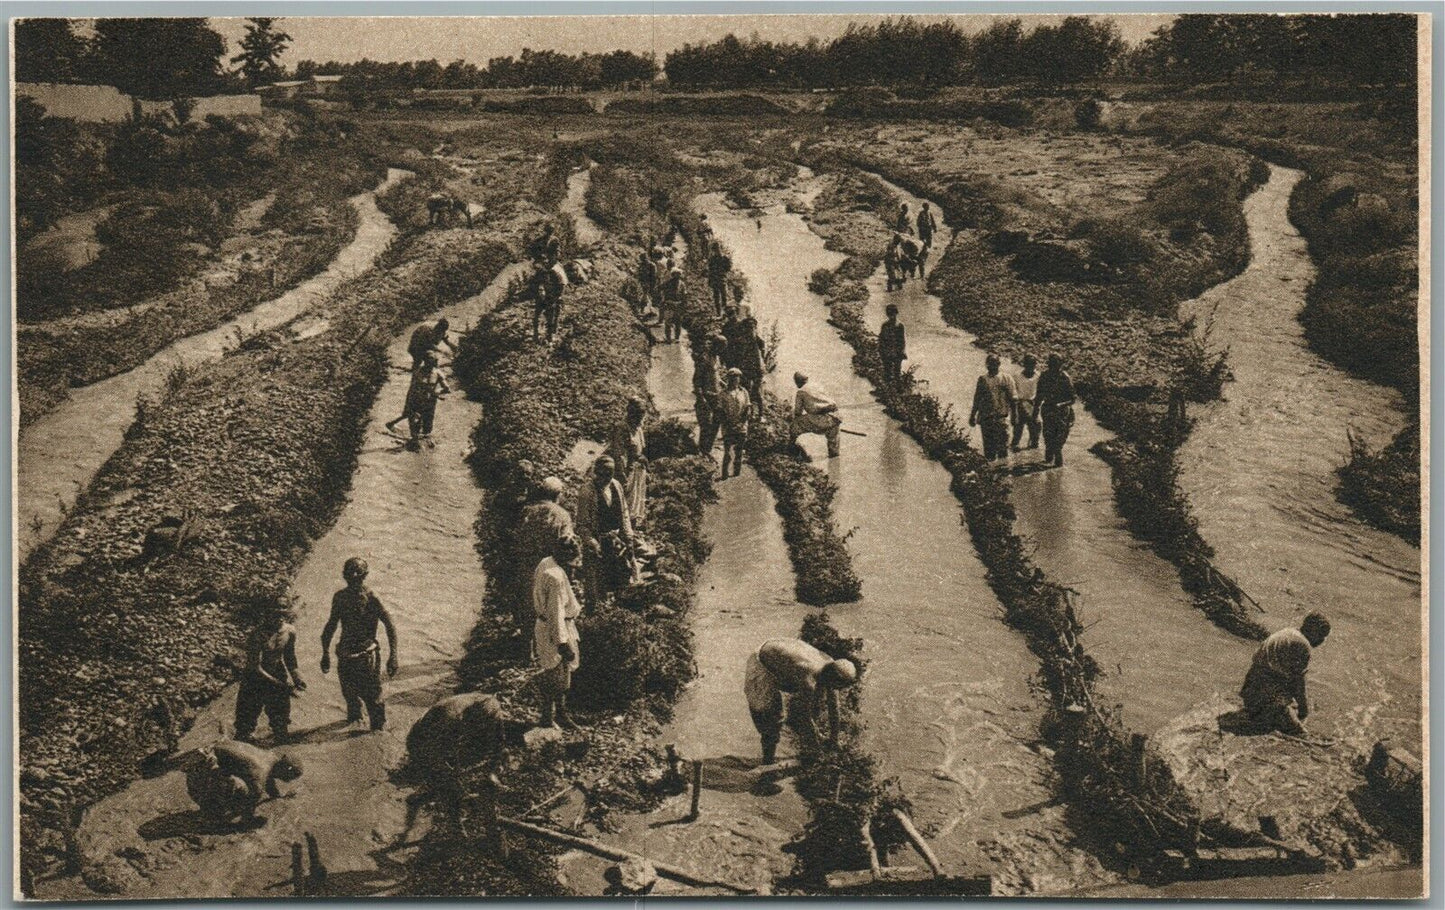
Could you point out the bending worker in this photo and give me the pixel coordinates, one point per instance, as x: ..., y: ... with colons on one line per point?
x: 814, y: 412
x: 797, y: 668
x: 1276, y: 678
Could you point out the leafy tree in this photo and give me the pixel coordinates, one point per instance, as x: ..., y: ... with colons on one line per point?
x: 997, y: 51
x: 261, y: 49
x: 46, y: 50
x: 157, y: 58
x: 1076, y: 50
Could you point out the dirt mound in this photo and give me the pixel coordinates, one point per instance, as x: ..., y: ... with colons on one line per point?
x: 714, y: 105
x: 1315, y: 792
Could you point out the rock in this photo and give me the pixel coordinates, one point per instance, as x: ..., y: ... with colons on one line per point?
x: 111, y: 875
x: 658, y: 611
x: 537, y: 737
x: 631, y: 876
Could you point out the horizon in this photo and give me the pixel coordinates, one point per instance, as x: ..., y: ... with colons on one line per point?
x: 477, y: 39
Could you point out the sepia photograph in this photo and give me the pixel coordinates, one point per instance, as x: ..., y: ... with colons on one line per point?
x: 754, y: 455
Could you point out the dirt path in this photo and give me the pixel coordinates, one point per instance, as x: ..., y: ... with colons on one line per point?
x: 1141, y: 623
x: 410, y: 516
x: 1259, y: 469
x: 59, y: 454
x: 959, y: 734
x: 745, y: 596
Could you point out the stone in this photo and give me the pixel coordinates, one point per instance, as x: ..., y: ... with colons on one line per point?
x: 537, y: 737
x: 631, y: 876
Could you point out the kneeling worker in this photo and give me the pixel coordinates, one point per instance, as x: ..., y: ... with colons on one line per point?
x: 1276, y: 678
x: 797, y: 668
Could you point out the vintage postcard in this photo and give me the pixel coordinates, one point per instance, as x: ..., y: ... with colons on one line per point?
x: 949, y: 455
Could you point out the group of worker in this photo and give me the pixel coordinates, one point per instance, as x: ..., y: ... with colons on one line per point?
x: 907, y: 253
x: 1028, y: 399
x: 664, y: 294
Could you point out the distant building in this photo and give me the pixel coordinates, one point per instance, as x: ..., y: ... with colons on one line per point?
x: 277, y: 91
x: 322, y: 85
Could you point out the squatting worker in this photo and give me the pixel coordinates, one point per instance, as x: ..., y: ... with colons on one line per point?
x: 554, y: 636
x: 228, y: 780
x: 1056, y: 409
x: 792, y: 666
x: 993, y: 399
x: 358, y: 655
x: 544, y: 524
x: 911, y: 254
x: 456, y: 732
x: 892, y: 346
x: 736, y: 409
x: 271, y: 676
x: 814, y: 412
x: 1026, y: 411
x: 1276, y: 677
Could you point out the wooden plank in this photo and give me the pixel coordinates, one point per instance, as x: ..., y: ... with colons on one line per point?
x: 919, y: 844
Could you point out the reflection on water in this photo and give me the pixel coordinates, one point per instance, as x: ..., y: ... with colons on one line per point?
x: 1160, y: 654
x: 57, y: 456
x: 410, y: 516
x: 1259, y: 469
x: 948, y: 704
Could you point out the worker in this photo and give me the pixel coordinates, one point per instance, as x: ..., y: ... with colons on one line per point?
x: 792, y: 666
x: 428, y: 339
x: 992, y: 407
x: 270, y: 678
x: 554, y: 635
x: 735, y: 408
x: 927, y: 226
x: 814, y: 412
x: 1056, y: 409
x: 455, y: 733
x: 719, y: 264
x: 628, y: 448
x: 440, y: 206
x: 646, y: 279
x: 228, y: 780
x: 546, y: 287
x: 732, y: 330
x: 910, y: 257
x: 892, y: 346
x: 547, y: 248
x: 544, y: 522
x: 706, y: 387
x: 427, y: 386
x: 893, y: 263
x: 604, y: 527
x: 1276, y: 677
x: 904, y: 223
x: 1026, y: 405
x: 750, y: 358
x: 673, y: 298
x: 358, y: 656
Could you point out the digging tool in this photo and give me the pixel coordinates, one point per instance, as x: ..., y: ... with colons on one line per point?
x: 853, y: 432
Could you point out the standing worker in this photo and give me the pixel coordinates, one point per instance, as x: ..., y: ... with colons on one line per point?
x: 628, y: 448
x: 554, y: 636
x: 358, y: 656
x: 927, y: 225
x: 749, y: 358
x: 706, y: 387
x: 271, y: 677
x: 673, y: 296
x: 892, y: 346
x: 792, y: 666
x: 604, y: 525
x: 1276, y: 677
x: 1026, y: 406
x: 893, y: 263
x: 718, y: 267
x: 1056, y: 409
x: 735, y: 407
x: 547, y: 285
x: 904, y: 221
x: 814, y: 412
x: 544, y: 523
x: 427, y: 386
x: 993, y: 402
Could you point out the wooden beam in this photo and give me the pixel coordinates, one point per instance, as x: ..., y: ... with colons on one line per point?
x: 597, y: 848
x: 919, y: 844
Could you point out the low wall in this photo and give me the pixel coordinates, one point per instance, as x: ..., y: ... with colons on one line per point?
x: 104, y: 103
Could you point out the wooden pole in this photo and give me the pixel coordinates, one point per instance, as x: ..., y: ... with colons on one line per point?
x: 1137, y: 744
x: 695, y: 812
x: 919, y: 844
x: 597, y: 848
x: 874, y: 866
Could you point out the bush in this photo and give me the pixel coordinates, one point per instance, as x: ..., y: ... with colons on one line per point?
x: 627, y: 656
x: 1120, y: 244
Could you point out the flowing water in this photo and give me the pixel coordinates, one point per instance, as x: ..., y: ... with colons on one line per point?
x: 1259, y: 469
x: 588, y: 232
x: 59, y: 454
x: 410, y: 517
x: 947, y: 700
x: 1160, y: 655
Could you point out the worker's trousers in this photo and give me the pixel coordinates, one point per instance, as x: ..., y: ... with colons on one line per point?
x: 360, y: 678
x: 257, y: 695
x: 995, y: 437
x: 1028, y: 418
x: 1057, y: 423
x: 765, y: 703
x: 827, y: 424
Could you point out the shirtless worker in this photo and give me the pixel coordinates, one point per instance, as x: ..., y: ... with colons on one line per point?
x: 358, y: 655
x: 1276, y: 677
x: 271, y: 676
x: 425, y: 339
x: 792, y: 666
x: 228, y: 780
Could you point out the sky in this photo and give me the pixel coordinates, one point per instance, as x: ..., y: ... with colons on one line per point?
x: 478, y: 39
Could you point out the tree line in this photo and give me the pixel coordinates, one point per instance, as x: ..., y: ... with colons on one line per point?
x: 174, y: 57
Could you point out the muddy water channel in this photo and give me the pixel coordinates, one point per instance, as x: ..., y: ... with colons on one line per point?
x: 1159, y: 654
x: 59, y: 454
x: 410, y: 516
x: 947, y: 702
x: 1259, y: 469
x: 575, y: 204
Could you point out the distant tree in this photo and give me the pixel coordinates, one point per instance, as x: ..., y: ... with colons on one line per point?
x: 261, y: 49
x: 46, y: 50
x: 1076, y: 50
x: 157, y: 58
x: 997, y: 51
